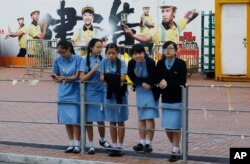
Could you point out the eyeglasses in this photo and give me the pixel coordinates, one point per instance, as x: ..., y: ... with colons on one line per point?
x: 61, y: 52
x: 169, y: 48
x: 99, y: 47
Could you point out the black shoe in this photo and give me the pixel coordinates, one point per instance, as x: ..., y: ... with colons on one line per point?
x: 119, y: 152
x: 105, y: 144
x: 138, y: 147
x: 116, y: 153
x: 174, y: 157
x: 148, y: 148
x: 69, y: 149
x: 77, y: 150
x: 91, y: 151
x: 112, y: 153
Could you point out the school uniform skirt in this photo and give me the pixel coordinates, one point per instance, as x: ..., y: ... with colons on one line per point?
x: 68, y: 113
x: 145, y: 97
x: 171, y: 116
x: 94, y: 112
x: 116, y: 113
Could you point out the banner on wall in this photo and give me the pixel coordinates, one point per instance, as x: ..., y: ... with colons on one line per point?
x: 79, y: 21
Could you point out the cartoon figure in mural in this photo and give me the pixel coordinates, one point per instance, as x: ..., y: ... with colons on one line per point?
x: 83, y: 35
x: 21, y: 33
x: 35, y: 31
x: 116, y: 18
x: 169, y: 29
x: 68, y: 19
x: 146, y: 24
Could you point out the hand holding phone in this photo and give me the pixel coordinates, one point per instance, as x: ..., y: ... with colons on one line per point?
x: 53, y: 76
x: 123, y: 26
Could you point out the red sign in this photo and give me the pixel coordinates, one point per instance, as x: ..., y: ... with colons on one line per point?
x: 1, y: 31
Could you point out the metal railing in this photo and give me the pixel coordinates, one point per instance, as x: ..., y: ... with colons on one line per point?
x: 186, y: 109
x: 40, y: 56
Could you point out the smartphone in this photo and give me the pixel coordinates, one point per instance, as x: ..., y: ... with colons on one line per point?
x: 53, y: 76
x: 123, y: 25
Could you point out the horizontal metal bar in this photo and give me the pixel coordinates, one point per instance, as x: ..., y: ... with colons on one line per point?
x: 219, y: 110
x: 94, y: 125
x: 30, y: 122
x: 216, y: 86
x: 39, y: 102
x: 219, y: 134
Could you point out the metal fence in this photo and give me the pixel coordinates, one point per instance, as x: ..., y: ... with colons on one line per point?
x: 187, y: 51
x: 224, y: 117
x: 41, y: 53
x: 200, y: 134
x: 40, y: 56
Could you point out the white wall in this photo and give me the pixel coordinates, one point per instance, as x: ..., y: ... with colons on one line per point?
x: 11, y: 9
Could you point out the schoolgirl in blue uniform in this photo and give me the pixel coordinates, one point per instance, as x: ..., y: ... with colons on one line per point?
x: 66, y: 72
x: 142, y: 72
x: 94, y: 91
x: 113, y: 72
x: 172, y: 73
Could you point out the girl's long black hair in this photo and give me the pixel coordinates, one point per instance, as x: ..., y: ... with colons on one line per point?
x: 138, y: 48
x: 64, y: 44
x: 118, y: 61
x: 92, y: 43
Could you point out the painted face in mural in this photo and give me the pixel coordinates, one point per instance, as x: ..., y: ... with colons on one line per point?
x: 35, y: 16
x: 168, y: 14
x: 146, y: 10
x: 112, y: 54
x: 20, y: 21
x: 97, y: 49
x: 170, y: 51
x: 87, y: 18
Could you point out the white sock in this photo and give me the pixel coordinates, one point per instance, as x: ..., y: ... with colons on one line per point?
x: 102, y: 139
x: 114, y: 145
x: 93, y: 149
x: 106, y: 144
x: 172, y: 146
x: 91, y: 144
x: 176, y: 149
x: 148, y: 142
x: 119, y: 145
x: 77, y: 142
x: 71, y: 142
x: 142, y: 141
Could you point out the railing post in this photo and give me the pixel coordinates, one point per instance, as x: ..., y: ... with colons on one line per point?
x: 82, y: 117
x: 184, y: 123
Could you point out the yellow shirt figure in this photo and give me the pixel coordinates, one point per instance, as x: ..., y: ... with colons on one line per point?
x: 147, y: 20
x: 161, y: 34
x: 22, y: 39
x: 21, y: 34
x: 34, y: 30
x: 35, y: 47
x: 82, y: 36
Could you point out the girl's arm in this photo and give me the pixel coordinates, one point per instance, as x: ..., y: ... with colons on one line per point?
x: 85, y: 76
x: 102, y: 77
